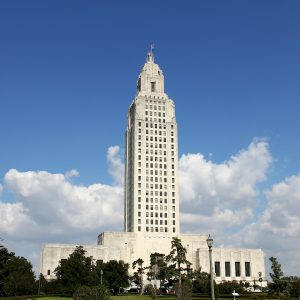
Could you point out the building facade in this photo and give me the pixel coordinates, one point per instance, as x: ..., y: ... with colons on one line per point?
x: 151, y: 195
x: 151, y: 171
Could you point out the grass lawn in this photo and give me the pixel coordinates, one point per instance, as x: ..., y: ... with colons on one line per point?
x: 54, y: 298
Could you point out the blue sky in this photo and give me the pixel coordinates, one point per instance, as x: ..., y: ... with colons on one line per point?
x: 68, y: 71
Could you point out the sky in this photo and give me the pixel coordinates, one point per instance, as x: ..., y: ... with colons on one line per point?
x: 68, y: 72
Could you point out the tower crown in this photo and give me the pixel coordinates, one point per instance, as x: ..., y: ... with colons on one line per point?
x: 151, y: 79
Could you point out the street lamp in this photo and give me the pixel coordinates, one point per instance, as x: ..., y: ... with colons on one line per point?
x: 260, y: 280
x: 210, y: 244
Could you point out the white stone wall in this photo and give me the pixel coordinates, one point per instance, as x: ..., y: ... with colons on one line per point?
x: 53, y: 253
x: 232, y: 255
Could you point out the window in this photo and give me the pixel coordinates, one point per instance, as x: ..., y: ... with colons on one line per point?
x: 237, y: 269
x: 227, y: 268
x: 139, y: 228
x: 152, y: 87
x: 247, y: 269
x: 48, y: 272
x: 217, y: 269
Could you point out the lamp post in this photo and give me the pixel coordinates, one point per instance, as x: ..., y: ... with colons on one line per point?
x: 260, y: 280
x: 210, y: 244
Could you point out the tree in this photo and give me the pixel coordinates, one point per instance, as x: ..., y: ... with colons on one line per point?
x: 201, y: 282
x: 5, y: 258
x: 177, y: 258
x: 76, y: 270
x: 294, y: 287
x: 279, y: 285
x: 98, y: 292
x: 16, y: 274
x: 138, y: 275
x: 227, y: 287
x: 115, y: 274
x: 157, y: 267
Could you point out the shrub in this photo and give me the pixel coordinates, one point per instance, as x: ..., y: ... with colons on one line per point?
x: 98, y: 292
x: 150, y: 290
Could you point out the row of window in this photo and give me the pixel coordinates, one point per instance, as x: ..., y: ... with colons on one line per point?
x: 155, y: 132
x: 154, y: 107
x: 237, y: 269
x: 155, y: 120
x: 152, y: 200
x: 156, y: 229
x: 158, y: 114
x: 155, y: 221
x: 157, y: 126
x: 156, y: 207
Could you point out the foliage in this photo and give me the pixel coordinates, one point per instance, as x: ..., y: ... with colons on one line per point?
x: 227, y: 287
x: 115, y: 274
x: 16, y: 275
x: 201, y: 282
x: 98, y: 292
x: 150, y: 290
x: 75, y: 271
x: 177, y: 258
x: 279, y: 285
x: 158, y: 268
x: 78, y: 270
x: 292, y: 286
x: 183, y: 290
x: 137, y: 277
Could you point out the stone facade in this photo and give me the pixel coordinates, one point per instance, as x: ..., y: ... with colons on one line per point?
x: 151, y: 204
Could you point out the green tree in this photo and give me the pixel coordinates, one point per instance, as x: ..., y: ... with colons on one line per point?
x: 278, y: 284
x: 201, y: 282
x: 5, y: 258
x: 16, y: 274
x: 227, y: 287
x: 115, y: 274
x: 138, y: 275
x: 294, y: 287
x: 98, y: 292
x: 158, y: 264
x: 177, y: 258
x: 75, y: 271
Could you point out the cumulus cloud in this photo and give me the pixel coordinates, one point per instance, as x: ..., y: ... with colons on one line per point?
x: 221, y: 195
x: 215, y: 198
x: 116, y: 165
x: 53, y: 205
x: 277, y: 230
x: 72, y: 173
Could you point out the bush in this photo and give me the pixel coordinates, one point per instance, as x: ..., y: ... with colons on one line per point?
x: 150, y: 290
x: 183, y: 291
x: 98, y: 292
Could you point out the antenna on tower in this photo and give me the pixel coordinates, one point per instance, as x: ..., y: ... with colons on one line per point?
x: 151, y: 48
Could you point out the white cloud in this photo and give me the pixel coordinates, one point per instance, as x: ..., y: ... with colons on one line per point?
x: 116, y: 165
x: 1, y: 189
x: 277, y: 230
x: 58, y: 207
x: 217, y: 196
x: 72, y: 173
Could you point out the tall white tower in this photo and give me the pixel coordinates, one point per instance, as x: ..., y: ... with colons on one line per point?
x: 151, y: 165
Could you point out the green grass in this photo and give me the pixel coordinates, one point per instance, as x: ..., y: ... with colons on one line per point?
x: 54, y: 298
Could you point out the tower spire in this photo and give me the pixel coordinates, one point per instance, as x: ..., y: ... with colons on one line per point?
x: 150, y: 55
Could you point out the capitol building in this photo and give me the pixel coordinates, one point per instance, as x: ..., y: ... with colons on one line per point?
x: 151, y: 196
